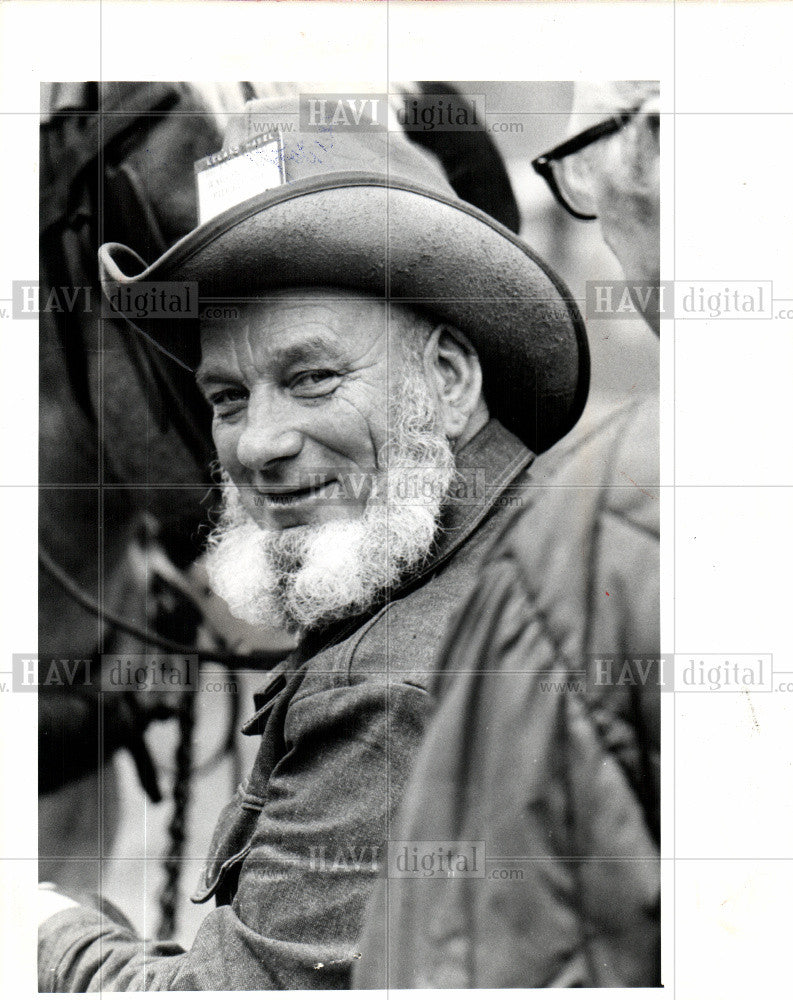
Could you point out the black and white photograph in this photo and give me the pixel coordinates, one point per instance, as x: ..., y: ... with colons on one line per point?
x: 373, y: 456
x: 322, y: 432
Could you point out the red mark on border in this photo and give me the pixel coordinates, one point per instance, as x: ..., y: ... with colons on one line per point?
x: 647, y: 493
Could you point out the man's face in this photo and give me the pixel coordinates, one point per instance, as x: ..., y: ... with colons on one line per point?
x: 299, y: 386
x: 323, y: 419
x: 622, y: 172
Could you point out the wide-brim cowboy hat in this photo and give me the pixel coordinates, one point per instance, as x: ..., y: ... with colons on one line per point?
x: 355, y: 206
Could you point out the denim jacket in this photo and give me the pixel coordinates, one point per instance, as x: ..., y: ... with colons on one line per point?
x: 296, y: 852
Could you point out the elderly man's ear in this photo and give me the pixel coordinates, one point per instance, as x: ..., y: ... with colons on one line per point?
x: 452, y: 365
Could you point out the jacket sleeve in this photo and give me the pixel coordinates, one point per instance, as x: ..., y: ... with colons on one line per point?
x: 303, y: 878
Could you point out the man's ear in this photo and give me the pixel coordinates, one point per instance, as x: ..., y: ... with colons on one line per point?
x: 453, y: 366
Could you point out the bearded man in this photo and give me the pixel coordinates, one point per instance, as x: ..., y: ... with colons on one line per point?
x: 331, y: 509
x: 393, y: 361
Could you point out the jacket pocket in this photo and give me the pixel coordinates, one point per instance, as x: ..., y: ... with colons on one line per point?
x: 236, y: 826
x: 231, y: 844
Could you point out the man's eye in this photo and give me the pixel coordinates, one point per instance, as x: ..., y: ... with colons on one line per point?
x: 228, y: 401
x: 319, y: 382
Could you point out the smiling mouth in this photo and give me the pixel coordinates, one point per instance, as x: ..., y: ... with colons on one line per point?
x: 289, y: 497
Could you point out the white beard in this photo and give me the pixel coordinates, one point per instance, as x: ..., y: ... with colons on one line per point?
x: 306, y: 576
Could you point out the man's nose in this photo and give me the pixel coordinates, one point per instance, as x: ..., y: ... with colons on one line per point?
x: 268, y: 436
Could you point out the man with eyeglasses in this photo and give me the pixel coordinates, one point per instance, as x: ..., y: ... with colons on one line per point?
x: 609, y: 170
x: 526, y: 852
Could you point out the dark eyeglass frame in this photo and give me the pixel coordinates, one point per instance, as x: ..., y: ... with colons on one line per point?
x: 543, y: 164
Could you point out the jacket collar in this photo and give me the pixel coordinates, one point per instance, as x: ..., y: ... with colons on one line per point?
x: 486, y: 466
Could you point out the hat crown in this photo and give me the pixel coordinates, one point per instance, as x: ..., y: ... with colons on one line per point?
x: 280, y: 140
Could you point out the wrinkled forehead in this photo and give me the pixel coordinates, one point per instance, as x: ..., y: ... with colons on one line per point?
x: 311, y: 320
x: 594, y: 101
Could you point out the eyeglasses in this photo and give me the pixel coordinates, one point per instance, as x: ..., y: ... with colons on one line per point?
x: 565, y: 181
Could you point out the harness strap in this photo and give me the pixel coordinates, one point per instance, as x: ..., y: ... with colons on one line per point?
x: 259, y: 659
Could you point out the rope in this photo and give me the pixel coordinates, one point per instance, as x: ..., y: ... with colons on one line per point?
x: 177, y: 828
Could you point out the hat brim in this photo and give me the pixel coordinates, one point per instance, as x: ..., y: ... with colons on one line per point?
x: 394, y: 240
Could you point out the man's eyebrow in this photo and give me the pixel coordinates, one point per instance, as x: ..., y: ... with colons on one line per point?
x: 207, y: 374
x: 306, y: 351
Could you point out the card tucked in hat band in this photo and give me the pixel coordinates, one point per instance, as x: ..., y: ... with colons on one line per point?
x: 232, y: 176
